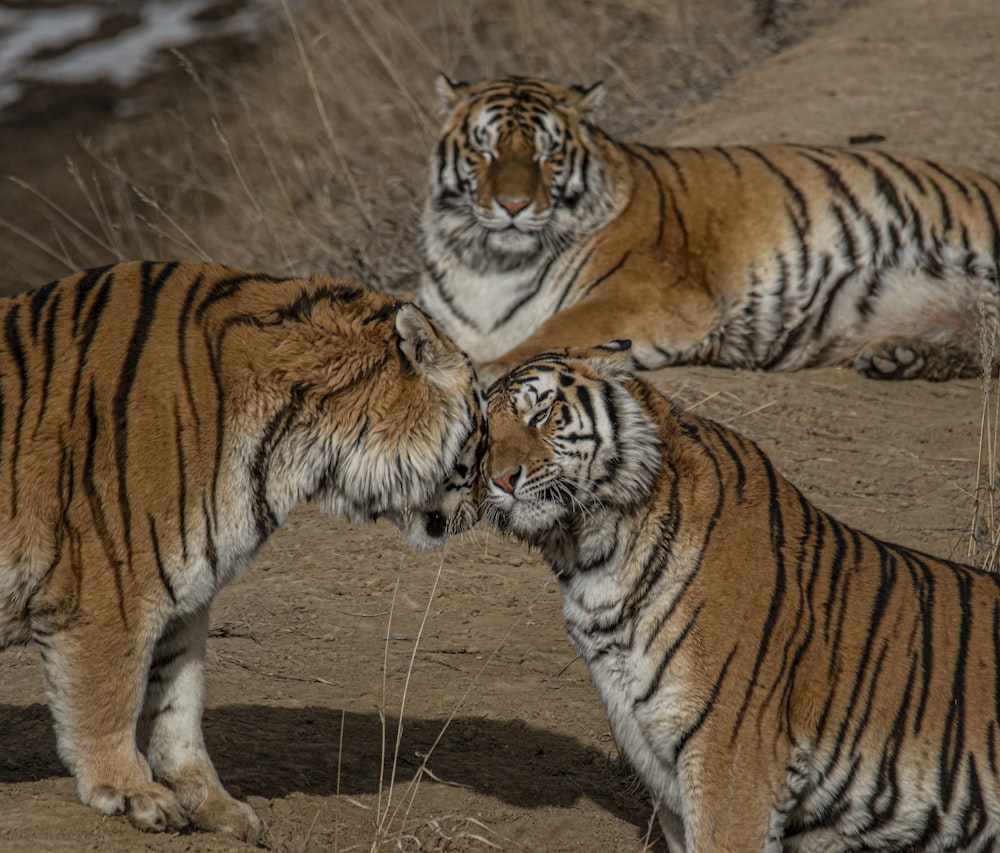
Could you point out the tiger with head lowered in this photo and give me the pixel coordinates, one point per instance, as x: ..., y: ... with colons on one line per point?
x: 779, y: 680
x: 542, y: 231
x: 159, y: 421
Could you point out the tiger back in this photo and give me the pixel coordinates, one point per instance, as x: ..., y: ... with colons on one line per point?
x: 158, y: 422
x: 541, y: 231
x: 779, y: 680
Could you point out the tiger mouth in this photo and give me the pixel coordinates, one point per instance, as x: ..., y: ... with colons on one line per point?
x: 513, y: 239
x: 523, y: 519
x: 436, y: 525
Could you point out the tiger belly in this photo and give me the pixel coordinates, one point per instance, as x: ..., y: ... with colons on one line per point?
x: 904, y: 303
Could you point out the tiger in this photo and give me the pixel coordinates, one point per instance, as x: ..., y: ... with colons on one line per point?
x: 540, y: 231
x: 778, y: 679
x: 159, y: 421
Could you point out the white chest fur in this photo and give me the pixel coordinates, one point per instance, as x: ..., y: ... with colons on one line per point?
x: 487, y: 313
x: 647, y: 731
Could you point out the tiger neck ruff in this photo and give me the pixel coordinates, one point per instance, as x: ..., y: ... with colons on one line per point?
x: 779, y: 680
x: 159, y: 421
x: 542, y: 231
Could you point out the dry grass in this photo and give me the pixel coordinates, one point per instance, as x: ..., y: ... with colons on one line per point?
x: 314, y: 157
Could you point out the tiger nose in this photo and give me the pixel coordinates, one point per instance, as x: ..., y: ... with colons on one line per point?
x: 507, y: 480
x: 513, y: 206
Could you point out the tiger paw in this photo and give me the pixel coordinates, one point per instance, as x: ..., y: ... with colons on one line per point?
x: 490, y: 371
x: 152, y: 807
x: 915, y: 358
x: 221, y: 813
x: 887, y: 361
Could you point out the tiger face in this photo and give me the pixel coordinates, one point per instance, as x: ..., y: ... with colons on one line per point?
x: 520, y: 178
x: 559, y: 444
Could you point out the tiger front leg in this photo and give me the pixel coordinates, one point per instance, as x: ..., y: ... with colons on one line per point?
x: 171, y: 727
x: 732, y: 801
x: 663, y: 331
x: 95, y: 672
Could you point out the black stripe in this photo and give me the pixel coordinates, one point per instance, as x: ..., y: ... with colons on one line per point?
x: 160, y: 565
x: 724, y: 153
x: 948, y: 176
x: 924, y: 586
x: 801, y: 222
x: 37, y: 303
x: 16, y: 353
x: 49, y: 350
x: 911, y: 176
x: 149, y: 293
x: 662, y: 208
x: 179, y: 449
x: 530, y: 294
x: 265, y: 520
x: 664, y: 154
x: 777, y: 535
x: 436, y: 278
x: 724, y: 436
x: 953, y: 744
x: 211, y: 551
x: 667, y: 656
x: 183, y: 328
x: 990, y: 217
x: 228, y: 287
x: 88, y: 330
x: 596, y: 282
x: 96, y: 501
x: 83, y: 286
x: 685, y: 735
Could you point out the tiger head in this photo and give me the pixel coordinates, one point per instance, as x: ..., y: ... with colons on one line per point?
x: 454, y: 507
x: 360, y: 403
x: 517, y: 172
x: 566, y: 436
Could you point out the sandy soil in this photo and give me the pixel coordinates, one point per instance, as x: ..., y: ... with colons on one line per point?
x: 340, y: 633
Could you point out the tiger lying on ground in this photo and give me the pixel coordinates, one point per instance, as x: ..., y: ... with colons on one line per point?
x: 542, y: 231
x: 779, y: 680
x: 159, y: 421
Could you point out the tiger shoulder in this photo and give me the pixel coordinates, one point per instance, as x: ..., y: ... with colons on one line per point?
x: 541, y: 230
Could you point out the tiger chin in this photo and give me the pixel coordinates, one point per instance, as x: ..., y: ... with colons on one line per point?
x: 159, y: 422
x: 779, y: 680
x: 540, y: 231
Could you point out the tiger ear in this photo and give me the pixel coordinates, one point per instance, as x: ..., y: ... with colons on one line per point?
x: 588, y: 97
x: 419, y: 342
x: 612, y: 361
x: 449, y: 90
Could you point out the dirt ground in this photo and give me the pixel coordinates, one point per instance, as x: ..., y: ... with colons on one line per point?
x: 342, y: 665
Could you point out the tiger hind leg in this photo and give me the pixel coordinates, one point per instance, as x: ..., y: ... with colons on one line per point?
x: 94, y: 684
x: 171, y: 727
x: 902, y: 357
